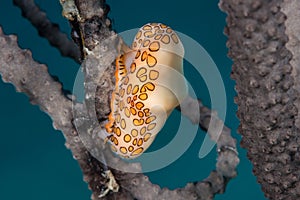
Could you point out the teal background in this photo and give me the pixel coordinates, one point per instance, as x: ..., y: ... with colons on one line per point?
x: 34, y: 163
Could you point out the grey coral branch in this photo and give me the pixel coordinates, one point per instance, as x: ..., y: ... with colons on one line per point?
x: 263, y: 42
x: 31, y: 78
x: 226, y: 145
x: 48, y: 30
x: 291, y: 9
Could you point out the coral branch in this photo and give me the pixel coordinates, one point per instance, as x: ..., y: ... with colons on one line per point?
x: 228, y: 156
x: 263, y: 42
x: 291, y: 9
x: 17, y: 67
x: 48, y: 30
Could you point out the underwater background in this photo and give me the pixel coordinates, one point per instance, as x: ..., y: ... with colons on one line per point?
x: 34, y: 163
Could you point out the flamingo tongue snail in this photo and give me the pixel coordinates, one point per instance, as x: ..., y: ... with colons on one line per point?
x: 140, y: 103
